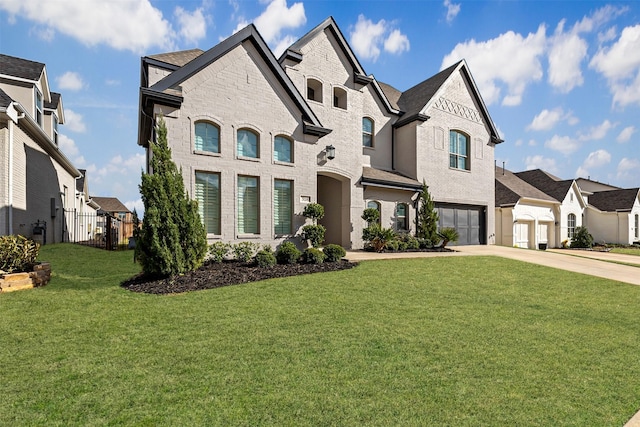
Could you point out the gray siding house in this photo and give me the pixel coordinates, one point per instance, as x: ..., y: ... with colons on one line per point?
x: 259, y: 137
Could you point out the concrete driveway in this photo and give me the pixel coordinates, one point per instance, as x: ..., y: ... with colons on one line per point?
x: 600, y: 264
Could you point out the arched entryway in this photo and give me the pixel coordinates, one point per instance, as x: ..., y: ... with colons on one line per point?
x: 335, y: 195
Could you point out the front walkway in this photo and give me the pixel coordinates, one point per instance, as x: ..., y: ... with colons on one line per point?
x: 600, y: 264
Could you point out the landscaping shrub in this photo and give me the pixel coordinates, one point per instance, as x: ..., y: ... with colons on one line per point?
x: 218, y: 251
x: 582, y: 238
x: 313, y: 256
x: 314, y: 234
x: 392, y: 245
x: 313, y: 211
x: 288, y: 253
x: 371, y: 216
x: 448, y: 234
x: 244, y: 251
x: 333, y: 253
x: 17, y: 254
x: 427, y: 221
x: 265, y: 257
x: 377, y: 237
x: 425, y: 243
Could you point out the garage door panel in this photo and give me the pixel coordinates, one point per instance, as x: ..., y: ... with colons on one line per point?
x: 467, y: 220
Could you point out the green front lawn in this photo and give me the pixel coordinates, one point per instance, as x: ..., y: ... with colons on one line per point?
x: 435, y: 341
x: 627, y: 251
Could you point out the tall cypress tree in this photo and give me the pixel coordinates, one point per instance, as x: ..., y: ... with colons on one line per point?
x: 427, y: 221
x: 172, y: 239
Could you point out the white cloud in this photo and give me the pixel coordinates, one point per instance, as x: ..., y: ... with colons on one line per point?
x: 193, y: 26
x: 136, y: 205
x: 396, y: 43
x: 599, y: 17
x: 620, y: 64
x: 70, y: 149
x: 70, y: 81
x: 597, y: 159
x: 74, y: 121
x: 133, y: 25
x: 607, y: 35
x: 626, y: 133
x: 540, y: 162
x: 598, y: 132
x: 532, y: 143
x: 452, y: 10
x: 278, y: 17
x: 509, y: 59
x: 566, y: 54
x: 547, y: 119
x: 629, y: 169
x: 367, y: 39
x: 581, y: 172
x: 564, y: 144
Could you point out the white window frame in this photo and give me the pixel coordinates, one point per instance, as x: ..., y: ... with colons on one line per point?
x: 203, y: 145
x: 275, y: 151
x: 214, y: 221
x: 368, y: 133
x: 278, y: 212
x: 248, y: 206
x: 238, y: 146
x: 455, y: 155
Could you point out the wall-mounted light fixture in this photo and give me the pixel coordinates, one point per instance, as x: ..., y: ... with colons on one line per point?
x: 331, y: 152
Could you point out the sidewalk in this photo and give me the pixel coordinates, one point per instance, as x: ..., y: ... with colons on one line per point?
x: 600, y: 264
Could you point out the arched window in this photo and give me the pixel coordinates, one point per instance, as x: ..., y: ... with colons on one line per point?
x: 571, y: 226
x: 339, y: 98
x: 367, y: 132
x: 375, y: 205
x: 248, y: 143
x: 402, y: 217
x: 314, y: 90
x: 459, y: 150
x: 282, y: 149
x: 207, y: 137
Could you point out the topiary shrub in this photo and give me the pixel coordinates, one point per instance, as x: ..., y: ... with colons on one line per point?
x: 582, y: 238
x: 218, y: 251
x: 265, y: 257
x: 314, y: 234
x: 313, y: 256
x: 313, y: 211
x: 17, y: 254
x: 371, y: 215
x: 333, y: 253
x: 244, y: 251
x: 288, y: 253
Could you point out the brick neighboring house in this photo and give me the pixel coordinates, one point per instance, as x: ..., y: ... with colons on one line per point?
x: 37, y: 181
x: 117, y: 210
x: 258, y: 138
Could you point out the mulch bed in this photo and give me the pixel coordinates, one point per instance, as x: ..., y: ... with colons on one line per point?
x: 215, y: 275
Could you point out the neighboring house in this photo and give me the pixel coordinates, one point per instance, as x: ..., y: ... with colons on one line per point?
x: 118, y: 211
x: 613, y: 216
x: 568, y: 194
x: 37, y: 181
x: 81, y: 221
x: 526, y: 217
x: 258, y: 138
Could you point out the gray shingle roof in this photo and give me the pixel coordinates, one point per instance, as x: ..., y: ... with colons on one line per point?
x: 547, y: 183
x: 5, y: 100
x: 22, y: 68
x: 510, y: 189
x: 55, y: 100
x: 385, y: 178
x: 110, y: 204
x: 614, y: 200
x: 413, y: 100
x: 392, y: 94
x: 179, y: 58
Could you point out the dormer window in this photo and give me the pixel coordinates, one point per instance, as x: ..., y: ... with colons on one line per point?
x: 314, y: 90
x: 54, y: 119
x: 339, y: 98
x: 38, y: 104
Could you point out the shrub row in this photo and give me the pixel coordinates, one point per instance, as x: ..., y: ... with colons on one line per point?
x: 287, y: 253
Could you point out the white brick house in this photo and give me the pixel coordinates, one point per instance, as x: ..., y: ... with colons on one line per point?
x: 254, y: 136
x: 37, y: 181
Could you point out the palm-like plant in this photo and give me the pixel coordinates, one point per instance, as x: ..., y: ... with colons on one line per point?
x: 448, y: 234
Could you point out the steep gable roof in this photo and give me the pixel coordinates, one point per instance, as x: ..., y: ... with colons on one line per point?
x: 615, y: 200
x: 167, y: 90
x: 510, y: 189
x: 110, y: 204
x: 547, y: 183
x: 178, y: 58
x: 20, y: 68
x: 5, y: 100
x: 392, y: 94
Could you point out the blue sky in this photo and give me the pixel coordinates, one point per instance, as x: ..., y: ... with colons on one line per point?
x: 561, y: 79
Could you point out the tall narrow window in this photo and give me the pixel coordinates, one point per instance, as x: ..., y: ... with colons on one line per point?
x: 282, y: 149
x: 248, y: 144
x: 283, y: 206
x: 248, y: 205
x: 207, y: 137
x: 339, y: 98
x: 367, y: 132
x: 637, y: 232
x: 38, y: 103
x: 402, y: 218
x: 314, y: 90
x: 54, y: 118
x: 207, y: 195
x: 459, y: 150
x: 375, y: 205
x: 571, y: 226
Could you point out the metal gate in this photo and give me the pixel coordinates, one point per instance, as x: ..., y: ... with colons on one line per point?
x: 100, y: 230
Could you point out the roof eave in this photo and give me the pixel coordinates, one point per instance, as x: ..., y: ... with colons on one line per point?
x: 368, y: 182
x: 414, y: 118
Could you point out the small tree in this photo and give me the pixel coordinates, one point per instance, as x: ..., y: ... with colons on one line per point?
x: 427, y: 221
x: 582, y: 238
x: 172, y: 239
x: 313, y: 233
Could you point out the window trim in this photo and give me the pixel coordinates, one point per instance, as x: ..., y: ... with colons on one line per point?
x: 317, y: 87
x: 257, y: 135
x: 405, y: 218
x: 243, y: 233
x: 637, y: 223
x: 54, y: 126
x: 571, y: 225
x: 277, y: 232
x: 219, y: 210
x: 456, y: 154
x: 340, y: 96
x: 367, y: 133
x: 38, y: 106
x: 291, y: 150
x: 210, y: 123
